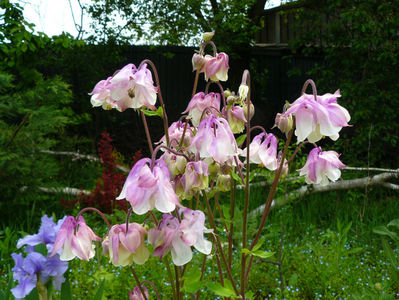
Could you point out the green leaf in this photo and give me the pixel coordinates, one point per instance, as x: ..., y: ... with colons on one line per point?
x: 236, y: 177
x: 100, y: 291
x: 355, y: 250
x: 192, y: 287
x: 222, y: 291
x: 66, y: 293
x: 241, y: 139
x: 394, y: 223
x: 382, y: 230
x: 293, y: 280
x: 262, y: 254
x: 41, y: 248
x: 33, y: 295
x: 150, y: 113
x: 258, y: 253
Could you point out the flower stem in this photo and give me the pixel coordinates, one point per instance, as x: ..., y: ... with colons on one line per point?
x: 232, y: 204
x: 177, y: 282
x: 172, y: 282
x: 247, y: 80
x: 270, y: 196
x: 138, y: 283
x: 165, y: 116
x: 97, y: 211
x: 147, y: 132
x: 218, y: 244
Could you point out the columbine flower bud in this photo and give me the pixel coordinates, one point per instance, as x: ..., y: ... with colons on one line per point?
x: 207, y: 36
x: 223, y: 183
x: 284, y: 122
x: 231, y: 99
x: 196, y: 176
x: 236, y: 119
x: 251, y: 111
x: 176, y: 164
x: 227, y: 93
x: 198, y: 61
x: 243, y: 91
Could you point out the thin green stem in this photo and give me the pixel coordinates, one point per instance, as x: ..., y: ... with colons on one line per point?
x: 246, y: 79
x: 172, y: 282
x: 202, y: 275
x: 177, y: 282
x: 218, y: 243
x: 232, y: 207
x: 147, y: 132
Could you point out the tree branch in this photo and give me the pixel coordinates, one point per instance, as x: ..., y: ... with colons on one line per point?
x: 82, y: 156
x: 333, y: 186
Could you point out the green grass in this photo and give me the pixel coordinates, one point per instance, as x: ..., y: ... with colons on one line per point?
x: 329, y: 252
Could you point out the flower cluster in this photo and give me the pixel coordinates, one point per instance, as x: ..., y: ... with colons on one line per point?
x: 36, y: 269
x: 200, y: 156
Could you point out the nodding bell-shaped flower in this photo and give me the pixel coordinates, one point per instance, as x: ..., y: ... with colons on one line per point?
x: 128, y: 88
x: 236, y: 119
x: 198, y: 103
x: 196, y: 177
x: 177, y: 238
x: 317, y: 118
x: 263, y: 150
x: 75, y: 238
x: 175, y: 133
x: 137, y: 295
x: 147, y: 189
x: 100, y: 96
x: 321, y: 167
x: 198, y: 61
x: 215, y: 68
x: 214, y: 139
x: 125, y: 247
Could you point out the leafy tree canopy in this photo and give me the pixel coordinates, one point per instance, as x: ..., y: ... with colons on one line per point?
x: 177, y: 22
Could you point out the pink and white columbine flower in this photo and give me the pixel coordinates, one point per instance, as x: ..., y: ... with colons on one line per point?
x: 195, y: 177
x: 263, y: 152
x: 100, y: 96
x: 147, y: 189
x: 136, y: 294
x: 123, y: 247
x: 75, y: 238
x: 216, y: 68
x: 214, y: 139
x: 321, y: 166
x: 198, y: 103
x: 128, y: 88
x: 175, y: 133
x: 177, y: 238
x: 315, y: 119
x: 236, y: 119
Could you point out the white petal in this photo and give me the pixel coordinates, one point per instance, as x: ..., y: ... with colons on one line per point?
x: 181, y: 253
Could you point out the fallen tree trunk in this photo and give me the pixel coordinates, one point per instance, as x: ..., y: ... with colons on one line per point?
x: 305, y: 190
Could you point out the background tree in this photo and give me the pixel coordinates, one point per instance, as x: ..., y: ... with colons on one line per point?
x: 360, y: 44
x: 177, y: 22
